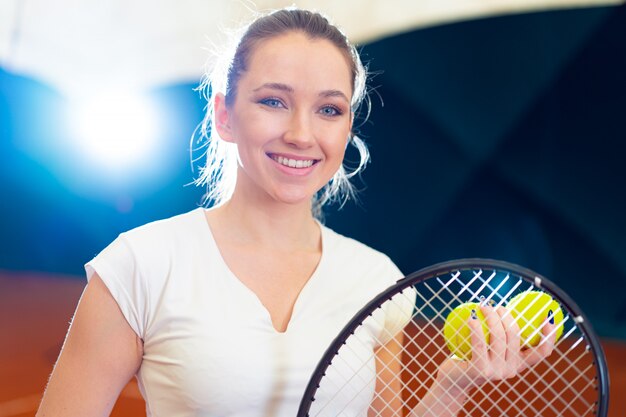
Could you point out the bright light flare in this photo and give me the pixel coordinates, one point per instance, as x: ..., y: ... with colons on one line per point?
x: 115, y: 131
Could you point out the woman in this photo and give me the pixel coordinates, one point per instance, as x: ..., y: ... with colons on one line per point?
x: 225, y: 312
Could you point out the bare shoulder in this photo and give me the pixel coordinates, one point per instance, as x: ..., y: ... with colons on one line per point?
x: 100, y: 355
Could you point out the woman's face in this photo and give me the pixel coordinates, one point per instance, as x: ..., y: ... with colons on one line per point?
x: 291, y: 117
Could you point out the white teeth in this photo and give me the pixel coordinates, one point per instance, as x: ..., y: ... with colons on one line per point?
x: 293, y: 163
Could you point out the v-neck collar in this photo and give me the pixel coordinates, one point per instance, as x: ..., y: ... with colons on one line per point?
x: 301, y: 297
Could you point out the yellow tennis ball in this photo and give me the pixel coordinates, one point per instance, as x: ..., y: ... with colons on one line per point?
x: 530, y: 309
x: 457, y: 333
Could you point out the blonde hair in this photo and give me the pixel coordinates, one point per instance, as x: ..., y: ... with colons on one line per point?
x: 219, y: 173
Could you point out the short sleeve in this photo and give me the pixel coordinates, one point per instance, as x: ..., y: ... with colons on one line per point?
x: 118, y: 268
x: 398, y: 310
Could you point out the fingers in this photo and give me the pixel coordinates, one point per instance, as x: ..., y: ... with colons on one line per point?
x: 513, y: 357
x: 498, y: 340
x: 478, y: 367
x: 501, y: 356
x: 513, y: 336
x: 544, y: 349
x: 477, y: 337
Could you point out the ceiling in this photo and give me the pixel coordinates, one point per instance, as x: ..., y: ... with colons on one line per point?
x: 77, y: 46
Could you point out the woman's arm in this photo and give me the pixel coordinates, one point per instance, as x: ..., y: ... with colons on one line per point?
x: 387, y: 398
x: 442, y: 399
x: 100, y: 355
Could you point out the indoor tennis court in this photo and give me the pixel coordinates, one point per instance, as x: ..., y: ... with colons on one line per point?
x: 496, y: 131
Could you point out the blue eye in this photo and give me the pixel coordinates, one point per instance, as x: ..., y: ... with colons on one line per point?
x: 272, y: 102
x: 330, y: 111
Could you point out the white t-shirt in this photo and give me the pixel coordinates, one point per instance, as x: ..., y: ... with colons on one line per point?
x: 210, y: 348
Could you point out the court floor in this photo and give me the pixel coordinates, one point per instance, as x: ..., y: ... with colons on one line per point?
x: 35, y: 311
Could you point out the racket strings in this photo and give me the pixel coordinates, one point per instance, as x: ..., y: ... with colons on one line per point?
x: 559, y: 385
x: 335, y: 393
x: 405, y: 366
x: 553, y: 366
x: 413, y: 341
x: 423, y: 383
x: 580, y: 375
x: 494, y: 291
x: 339, y: 362
x: 477, y: 405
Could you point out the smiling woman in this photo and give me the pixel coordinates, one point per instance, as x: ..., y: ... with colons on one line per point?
x: 343, y: 102
x: 290, y: 118
x: 226, y: 311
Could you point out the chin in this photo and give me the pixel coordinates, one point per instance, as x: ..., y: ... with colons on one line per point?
x: 293, y: 197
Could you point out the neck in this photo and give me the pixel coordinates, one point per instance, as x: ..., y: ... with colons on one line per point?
x: 266, y: 222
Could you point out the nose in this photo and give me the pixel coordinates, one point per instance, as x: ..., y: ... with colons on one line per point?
x: 299, y: 132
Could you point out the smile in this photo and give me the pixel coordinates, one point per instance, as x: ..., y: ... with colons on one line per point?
x: 293, y: 163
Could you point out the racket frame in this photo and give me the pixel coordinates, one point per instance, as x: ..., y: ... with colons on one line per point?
x: 439, y: 269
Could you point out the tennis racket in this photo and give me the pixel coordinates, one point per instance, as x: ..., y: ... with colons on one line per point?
x: 349, y: 380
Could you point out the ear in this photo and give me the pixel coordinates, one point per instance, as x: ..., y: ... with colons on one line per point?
x: 221, y: 116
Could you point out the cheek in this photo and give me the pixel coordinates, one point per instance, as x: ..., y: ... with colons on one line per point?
x: 256, y: 131
x: 334, y: 143
x: 252, y: 139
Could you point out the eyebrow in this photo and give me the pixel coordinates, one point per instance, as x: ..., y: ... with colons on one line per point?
x: 275, y: 86
x: 334, y: 93
x: 288, y: 89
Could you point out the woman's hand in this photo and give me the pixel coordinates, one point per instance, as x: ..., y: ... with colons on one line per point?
x: 501, y: 358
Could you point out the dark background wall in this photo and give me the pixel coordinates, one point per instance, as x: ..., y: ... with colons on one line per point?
x: 500, y: 137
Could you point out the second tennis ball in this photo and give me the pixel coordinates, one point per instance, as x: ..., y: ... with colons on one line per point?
x: 531, y: 309
x: 457, y: 332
